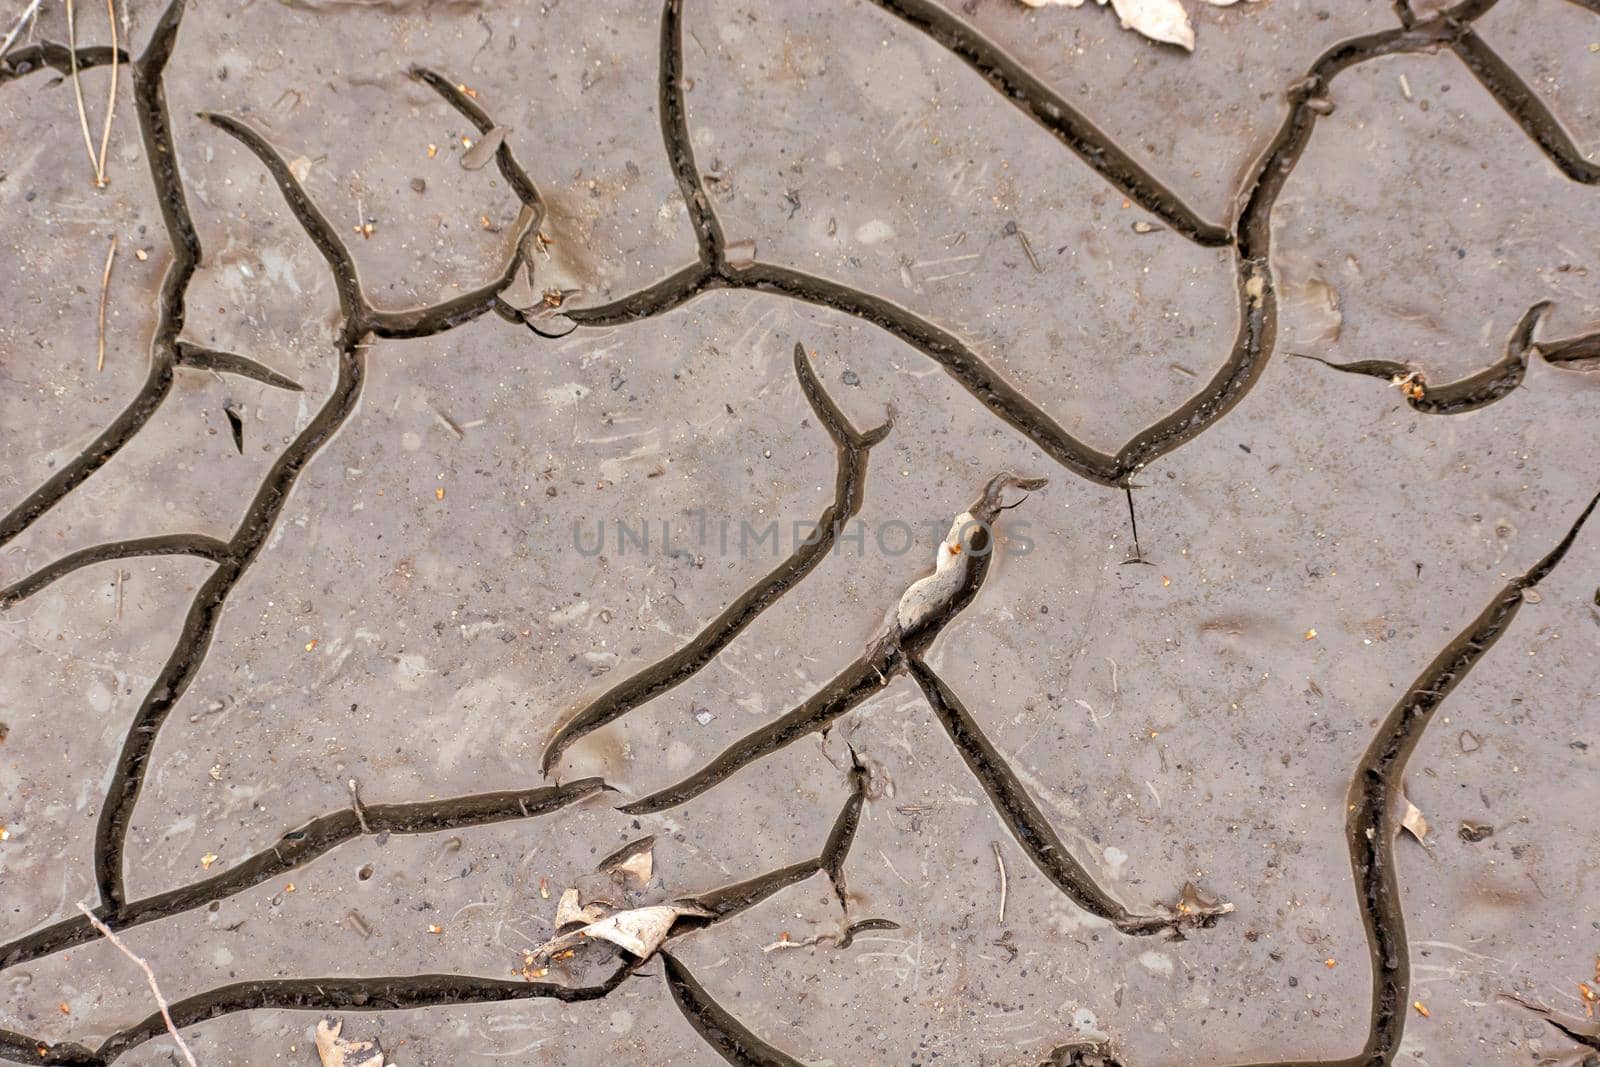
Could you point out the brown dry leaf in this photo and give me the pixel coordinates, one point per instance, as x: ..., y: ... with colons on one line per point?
x: 483, y: 149
x: 335, y: 1051
x: 569, y: 911
x: 1414, y: 822
x: 638, y: 932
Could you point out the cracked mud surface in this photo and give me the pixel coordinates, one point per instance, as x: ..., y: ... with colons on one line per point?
x: 325, y: 669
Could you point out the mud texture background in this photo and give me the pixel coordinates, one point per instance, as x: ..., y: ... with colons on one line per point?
x: 325, y: 670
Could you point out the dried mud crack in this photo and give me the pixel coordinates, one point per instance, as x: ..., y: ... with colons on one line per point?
x: 941, y: 643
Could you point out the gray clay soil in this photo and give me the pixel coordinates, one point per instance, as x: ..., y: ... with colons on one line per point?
x: 438, y: 526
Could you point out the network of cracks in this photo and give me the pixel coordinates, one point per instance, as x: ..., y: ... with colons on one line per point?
x: 897, y: 653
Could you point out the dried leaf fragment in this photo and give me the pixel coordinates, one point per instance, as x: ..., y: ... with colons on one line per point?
x: 1160, y: 20
x: 639, y: 867
x: 1413, y: 385
x: 569, y: 910
x: 336, y: 1051
x: 927, y: 595
x: 638, y: 932
x: 1414, y: 822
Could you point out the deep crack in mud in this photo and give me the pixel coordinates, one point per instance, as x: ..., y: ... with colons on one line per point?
x: 904, y: 647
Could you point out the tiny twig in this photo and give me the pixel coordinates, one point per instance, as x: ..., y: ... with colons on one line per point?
x: 111, y: 97
x: 105, y: 288
x: 31, y: 11
x: 1011, y: 228
x: 1001, y: 865
x: 1138, y: 553
x: 77, y: 88
x: 150, y: 976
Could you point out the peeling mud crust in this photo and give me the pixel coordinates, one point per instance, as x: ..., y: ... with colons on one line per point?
x: 841, y: 459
